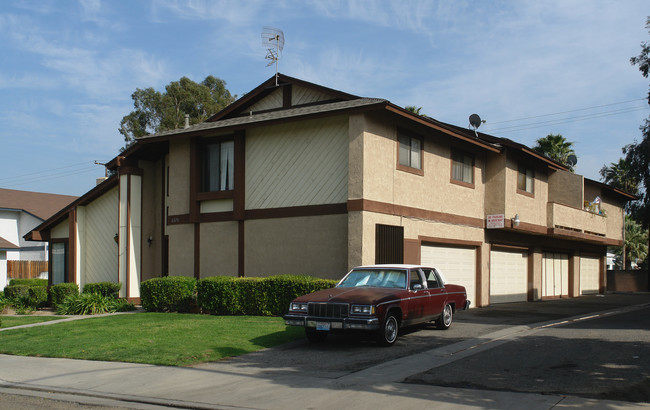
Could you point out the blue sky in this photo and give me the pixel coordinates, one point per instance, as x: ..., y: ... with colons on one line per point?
x: 529, y: 68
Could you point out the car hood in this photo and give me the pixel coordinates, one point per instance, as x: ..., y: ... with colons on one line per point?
x: 356, y: 295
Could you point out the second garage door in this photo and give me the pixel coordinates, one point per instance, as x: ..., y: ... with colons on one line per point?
x: 589, y: 275
x: 508, y: 276
x: 456, y: 263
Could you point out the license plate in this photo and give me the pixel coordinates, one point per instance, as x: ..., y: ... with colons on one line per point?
x: 322, y: 325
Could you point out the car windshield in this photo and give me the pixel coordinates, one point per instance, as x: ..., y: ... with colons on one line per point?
x: 380, y: 278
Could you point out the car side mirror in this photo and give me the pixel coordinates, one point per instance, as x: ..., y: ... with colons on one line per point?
x: 417, y: 287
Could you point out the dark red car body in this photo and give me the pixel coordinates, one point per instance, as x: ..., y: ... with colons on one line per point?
x: 401, y: 295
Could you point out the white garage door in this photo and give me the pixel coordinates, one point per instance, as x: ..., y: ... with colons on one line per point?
x: 508, y: 276
x: 589, y: 275
x: 555, y: 274
x: 457, y: 264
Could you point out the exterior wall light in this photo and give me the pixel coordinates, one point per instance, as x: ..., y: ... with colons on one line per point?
x: 515, y: 220
x: 116, y: 238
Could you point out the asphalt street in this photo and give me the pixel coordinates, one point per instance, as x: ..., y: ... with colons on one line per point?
x: 586, y: 352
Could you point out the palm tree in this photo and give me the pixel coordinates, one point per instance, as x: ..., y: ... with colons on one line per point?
x: 620, y: 175
x: 557, y: 148
x: 636, y: 243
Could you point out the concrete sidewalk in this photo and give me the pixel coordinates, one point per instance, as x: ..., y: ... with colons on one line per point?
x: 236, y: 384
x: 233, y: 384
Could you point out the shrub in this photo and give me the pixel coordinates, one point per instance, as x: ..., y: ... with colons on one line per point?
x: 92, y: 304
x: 223, y: 295
x: 28, y: 282
x: 280, y: 290
x: 17, y: 292
x: 108, y: 289
x: 37, y: 297
x: 168, y: 294
x: 59, y: 292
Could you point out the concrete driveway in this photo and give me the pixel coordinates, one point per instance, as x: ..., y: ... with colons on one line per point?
x: 498, y: 357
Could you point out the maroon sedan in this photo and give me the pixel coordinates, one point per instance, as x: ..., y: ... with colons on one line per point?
x: 380, y: 299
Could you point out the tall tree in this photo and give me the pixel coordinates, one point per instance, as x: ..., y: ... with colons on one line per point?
x: 638, y: 154
x: 636, y: 244
x: 156, y: 111
x: 557, y: 148
x: 620, y: 175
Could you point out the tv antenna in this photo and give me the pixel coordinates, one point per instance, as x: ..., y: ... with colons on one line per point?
x: 273, y: 42
x: 474, y: 122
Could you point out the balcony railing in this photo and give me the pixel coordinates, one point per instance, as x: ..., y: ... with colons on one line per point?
x: 576, y: 220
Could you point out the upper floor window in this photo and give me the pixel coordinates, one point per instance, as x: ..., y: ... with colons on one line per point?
x: 462, y: 167
x: 526, y: 179
x: 410, y: 151
x: 218, y: 166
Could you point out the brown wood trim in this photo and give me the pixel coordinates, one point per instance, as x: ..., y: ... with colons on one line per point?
x: 241, y: 249
x: 296, y: 211
x: 525, y: 193
x: 72, y: 246
x: 509, y: 247
x: 399, y: 210
x: 216, y: 217
x: 410, y: 170
x: 197, y: 251
x: 209, y: 196
x: 461, y: 183
x: 412, y: 252
x: 429, y: 124
x: 135, y: 301
x: 286, y: 96
x: 130, y: 170
x: 239, y: 198
x: 447, y: 241
x: 529, y: 228
x: 565, y: 233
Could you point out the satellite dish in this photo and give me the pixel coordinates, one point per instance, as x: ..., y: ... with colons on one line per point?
x: 572, y: 160
x: 475, y: 121
x: 273, y: 42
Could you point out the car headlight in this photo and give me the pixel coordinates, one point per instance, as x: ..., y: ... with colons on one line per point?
x: 298, y: 307
x: 363, y: 310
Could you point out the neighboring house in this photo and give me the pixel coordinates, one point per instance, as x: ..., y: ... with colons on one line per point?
x: 302, y: 179
x: 20, y: 212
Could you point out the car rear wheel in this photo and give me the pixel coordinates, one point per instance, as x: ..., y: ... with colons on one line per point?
x: 446, y: 318
x: 315, y: 336
x: 388, y: 333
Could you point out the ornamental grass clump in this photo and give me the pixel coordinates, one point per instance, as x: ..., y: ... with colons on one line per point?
x: 92, y: 304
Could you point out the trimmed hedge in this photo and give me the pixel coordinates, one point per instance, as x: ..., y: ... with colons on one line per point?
x: 108, y: 289
x: 28, y: 296
x: 16, y: 292
x: 168, y: 294
x: 270, y: 296
x: 59, y: 292
x: 28, y: 282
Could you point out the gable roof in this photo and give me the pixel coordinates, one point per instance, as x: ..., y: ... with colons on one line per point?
x: 39, y: 204
x: 7, y: 245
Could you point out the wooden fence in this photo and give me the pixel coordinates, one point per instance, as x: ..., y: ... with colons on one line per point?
x: 25, y: 269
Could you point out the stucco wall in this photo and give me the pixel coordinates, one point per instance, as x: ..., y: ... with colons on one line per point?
x: 179, y: 177
x: 566, y: 188
x: 219, y: 244
x: 432, y: 191
x: 181, y: 250
x: 531, y: 210
x: 274, y: 245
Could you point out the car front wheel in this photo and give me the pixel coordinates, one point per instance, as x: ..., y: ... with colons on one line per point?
x: 446, y: 317
x: 388, y: 332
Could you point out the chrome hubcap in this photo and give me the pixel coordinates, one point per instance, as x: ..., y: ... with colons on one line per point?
x: 447, y: 315
x: 390, y: 330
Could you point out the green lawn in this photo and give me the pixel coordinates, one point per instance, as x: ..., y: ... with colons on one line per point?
x: 11, y: 321
x: 156, y: 338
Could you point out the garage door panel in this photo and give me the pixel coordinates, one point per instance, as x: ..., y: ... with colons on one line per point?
x: 508, y: 276
x: 555, y: 274
x: 589, y: 275
x: 456, y: 263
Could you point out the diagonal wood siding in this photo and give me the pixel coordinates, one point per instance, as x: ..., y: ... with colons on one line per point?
x: 101, y: 250
x: 297, y: 164
x: 302, y: 95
